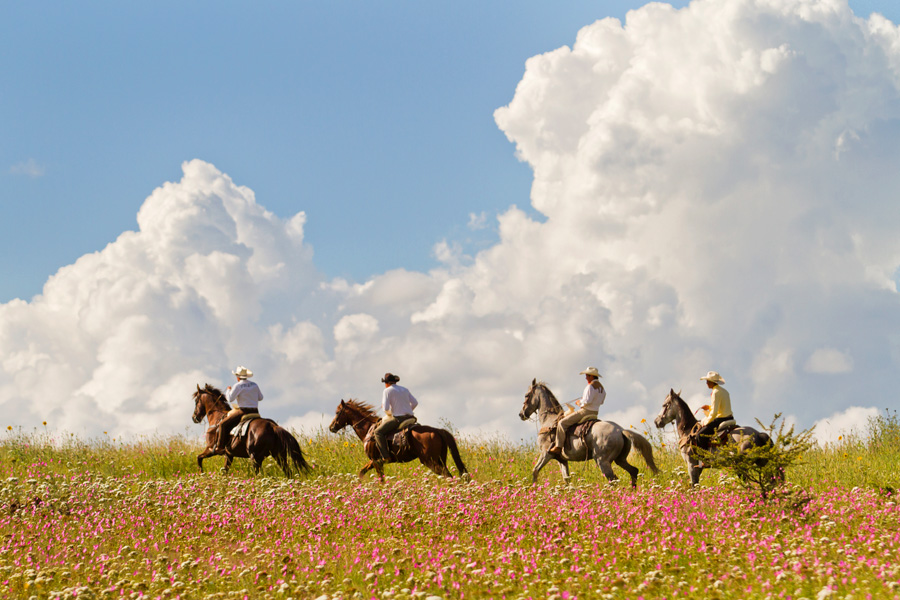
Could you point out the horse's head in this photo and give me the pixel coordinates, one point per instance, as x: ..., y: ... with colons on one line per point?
x: 341, y: 417
x: 199, y: 407
x: 532, y: 402
x: 669, y: 410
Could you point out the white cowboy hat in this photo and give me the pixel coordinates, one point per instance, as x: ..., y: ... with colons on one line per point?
x: 591, y: 371
x: 713, y: 377
x: 243, y: 372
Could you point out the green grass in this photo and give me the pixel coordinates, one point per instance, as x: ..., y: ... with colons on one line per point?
x: 110, y: 518
x: 870, y: 459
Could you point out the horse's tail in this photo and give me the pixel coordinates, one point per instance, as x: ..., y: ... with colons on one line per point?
x: 290, y: 448
x: 642, y: 445
x: 454, y: 452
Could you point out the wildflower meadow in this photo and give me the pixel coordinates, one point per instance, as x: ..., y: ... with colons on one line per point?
x: 110, y: 518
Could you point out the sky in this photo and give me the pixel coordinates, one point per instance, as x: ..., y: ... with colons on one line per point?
x: 463, y: 194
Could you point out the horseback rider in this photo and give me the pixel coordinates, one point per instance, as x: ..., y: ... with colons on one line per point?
x: 244, y: 398
x: 589, y: 404
x: 719, y: 412
x: 398, y: 404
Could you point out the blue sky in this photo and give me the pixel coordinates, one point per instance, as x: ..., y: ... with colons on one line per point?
x: 707, y: 188
x: 374, y: 118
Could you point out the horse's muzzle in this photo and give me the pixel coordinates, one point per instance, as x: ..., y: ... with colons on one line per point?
x: 195, y: 419
x: 658, y: 422
x: 522, y: 415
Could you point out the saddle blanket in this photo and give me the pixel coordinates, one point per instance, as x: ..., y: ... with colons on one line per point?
x: 581, y: 429
x: 577, y: 430
x: 240, y: 430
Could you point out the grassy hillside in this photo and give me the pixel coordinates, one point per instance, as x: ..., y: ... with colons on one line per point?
x: 109, y: 518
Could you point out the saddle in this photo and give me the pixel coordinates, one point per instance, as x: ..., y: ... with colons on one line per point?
x: 579, y: 430
x: 398, y: 442
x: 720, y: 438
x: 240, y: 430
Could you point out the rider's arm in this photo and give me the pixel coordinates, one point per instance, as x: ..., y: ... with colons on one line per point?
x: 412, y: 401
x: 386, y: 401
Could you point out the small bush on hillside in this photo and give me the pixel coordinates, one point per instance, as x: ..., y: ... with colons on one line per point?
x: 763, y: 469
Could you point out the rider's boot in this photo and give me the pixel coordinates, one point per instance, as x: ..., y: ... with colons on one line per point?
x: 221, y: 440
x: 382, y: 445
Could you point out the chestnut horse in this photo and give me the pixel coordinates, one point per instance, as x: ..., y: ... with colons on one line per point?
x: 428, y: 444
x: 264, y: 437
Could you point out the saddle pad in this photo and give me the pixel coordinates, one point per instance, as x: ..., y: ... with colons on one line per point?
x: 726, y: 425
x: 240, y: 430
x: 407, y: 423
x: 580, y: 429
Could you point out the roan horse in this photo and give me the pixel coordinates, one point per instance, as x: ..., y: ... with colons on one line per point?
x: 264, y: 437
x: 676, y: 409
x: 428, y: 444
x: 607, y: 442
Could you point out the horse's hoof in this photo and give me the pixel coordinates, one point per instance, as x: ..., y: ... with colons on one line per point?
x: 466, y: 477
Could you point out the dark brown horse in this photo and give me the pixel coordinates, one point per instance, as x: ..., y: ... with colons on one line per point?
x: 428, y: 444
x: 264, y: 437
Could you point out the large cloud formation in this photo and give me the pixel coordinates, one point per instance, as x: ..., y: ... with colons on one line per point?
x: 719, y: 190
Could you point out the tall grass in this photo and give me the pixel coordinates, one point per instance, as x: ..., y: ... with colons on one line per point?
x: 869, y: 459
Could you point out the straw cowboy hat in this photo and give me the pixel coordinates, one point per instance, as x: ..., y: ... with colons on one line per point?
x: 591, y: 371
x: 390, y: 378
x: 243, y: 372
x: 713, y: 377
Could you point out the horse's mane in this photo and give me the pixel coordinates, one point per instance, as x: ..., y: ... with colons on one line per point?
x: 216, y: 394
x: 364, y: 409
x: 553, y: 401
x: 685, y: 409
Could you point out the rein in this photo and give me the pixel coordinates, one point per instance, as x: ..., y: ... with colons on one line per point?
x: 353, y: 425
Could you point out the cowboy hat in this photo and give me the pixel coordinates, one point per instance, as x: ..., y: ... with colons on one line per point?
x: 592, y: 371
x: 713, y: 377
x: 243, y: 372
x: 390, y: 378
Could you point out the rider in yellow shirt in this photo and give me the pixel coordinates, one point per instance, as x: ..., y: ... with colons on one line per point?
x: 719, y: 411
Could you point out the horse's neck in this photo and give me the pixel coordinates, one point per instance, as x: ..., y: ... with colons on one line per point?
x: 215, y: 410
x: 684, y: 419
x: 549, y: 410
x: 363, y: 425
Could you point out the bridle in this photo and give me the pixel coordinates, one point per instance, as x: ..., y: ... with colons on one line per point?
x: 341, y: 413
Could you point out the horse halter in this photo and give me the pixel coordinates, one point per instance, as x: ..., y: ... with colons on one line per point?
x: 341, y: 413
x: 527, y: 405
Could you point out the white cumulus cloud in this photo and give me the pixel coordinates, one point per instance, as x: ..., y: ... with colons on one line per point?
x: 852, y: 421
x: 718, y: 191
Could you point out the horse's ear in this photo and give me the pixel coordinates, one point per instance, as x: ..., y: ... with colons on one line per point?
x: 534, y: 382
x: 342, y: 402
x: 198, y: 387
x: 678, y: 394
x: 671, y: 391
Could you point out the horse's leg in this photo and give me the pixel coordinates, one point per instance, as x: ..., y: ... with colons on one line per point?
x: 228, y: 459
x: 622, y: 460
x: 632, y: 470
x: 564, y: 470
x: 606, y: 468
x: 542, y: 461
x: 257, y: 462
x: 205, y: 454
x: 694, y: 469
x: 379, y: 468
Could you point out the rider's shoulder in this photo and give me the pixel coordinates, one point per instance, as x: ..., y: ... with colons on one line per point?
x: 596, y: 385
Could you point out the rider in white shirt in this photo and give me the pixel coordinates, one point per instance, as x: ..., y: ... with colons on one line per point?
x: 593, y: 397
x: 244, y: 398
x: 398, y: 404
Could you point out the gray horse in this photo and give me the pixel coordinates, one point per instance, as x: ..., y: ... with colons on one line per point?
x: 607, y: 442
x: 676, y: 409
